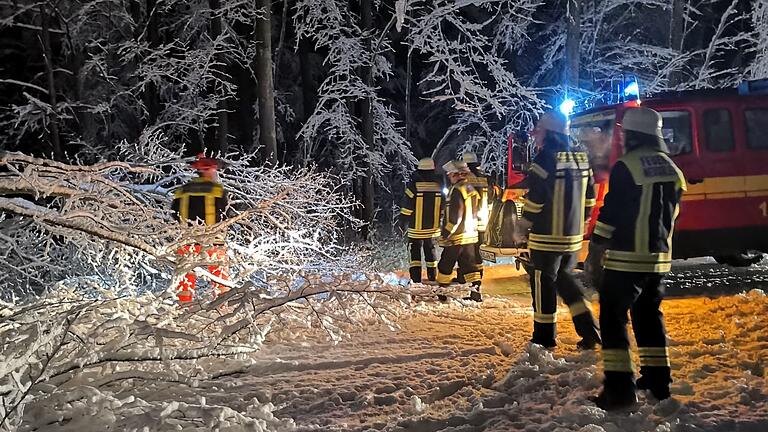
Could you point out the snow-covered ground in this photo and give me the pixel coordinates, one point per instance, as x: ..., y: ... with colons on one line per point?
x: 450, y: 367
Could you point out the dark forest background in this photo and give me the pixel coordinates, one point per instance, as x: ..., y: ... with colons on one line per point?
x: 359, y: 88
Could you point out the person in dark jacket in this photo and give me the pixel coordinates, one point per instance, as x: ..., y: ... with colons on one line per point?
x: 420, y: 212
x: 202, y: 200
x: 632, y: 240
x: 459, y: 231
x: 559, y: 199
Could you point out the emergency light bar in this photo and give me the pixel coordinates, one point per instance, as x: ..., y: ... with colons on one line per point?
x: 754, y: 87
x: 624, y: 88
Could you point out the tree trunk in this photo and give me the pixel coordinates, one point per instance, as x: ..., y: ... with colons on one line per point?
x: 366, y: 117
x: 572, y: 44
x: 408, y: 72
x: 308, y: 89
x: 266, y: 87
x: 676, y: 30
x: 151, y: 97
x: 222, y: 129
x: 53, y: 122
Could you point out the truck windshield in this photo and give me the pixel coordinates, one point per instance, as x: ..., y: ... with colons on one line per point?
x: 594, y: 133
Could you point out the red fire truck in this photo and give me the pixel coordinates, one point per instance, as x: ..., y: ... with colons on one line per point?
x: 719, y: 139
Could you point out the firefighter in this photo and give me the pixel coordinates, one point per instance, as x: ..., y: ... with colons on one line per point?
x: 479, y: 181
x: 632, y: 240
x: 559, y: 199
x: 459, y: 231
x: 421, y: 214
x: 201, y: 200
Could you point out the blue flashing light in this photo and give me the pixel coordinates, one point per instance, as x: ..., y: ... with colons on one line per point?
x: 567, y: 106
x: 632, y: 89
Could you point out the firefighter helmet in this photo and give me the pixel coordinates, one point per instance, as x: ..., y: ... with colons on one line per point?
x: 426, y: 164
x: 203, y: 163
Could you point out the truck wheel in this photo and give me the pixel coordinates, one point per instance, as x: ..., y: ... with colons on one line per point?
x: 740, y: 260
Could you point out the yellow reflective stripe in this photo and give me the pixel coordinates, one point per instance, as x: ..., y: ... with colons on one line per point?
x: 416, y: 263
x: 436, y: 220
x: 543, y: 318
x: 604, y: 230
x: 617, y: 360
x: 590, y: 202
x: 675, y: 213
x: 642, y: 222
x: 556, y: 238
x: 639, y: 257
x: 472, y: 277
x: 459, y: 239
x: 444, y: 278
x: 431, y: 264
x: 656, y: 362
x: 558, y: 204
x: 578, y: 308
x: 450, y: 227
x: 184, y: 207
x: 531, y: 206
x: 637, y: 267
x: 583, y: 198
x: 409, y: 193
x: 210, y: 210
x: 406, y: 211
x: 548, y: 247
x: 423, y: 234
x: 537, y: 290
x: 653, y: 351
x: 538, y: 170
x: 428, y: 187
x: 199, y: 194
x: 418, y: 219
x: 470, y: 221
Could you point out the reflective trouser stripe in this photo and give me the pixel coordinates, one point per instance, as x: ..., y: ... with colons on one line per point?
x: 444, y: 278
x: 617, y: 360
x: 578, y: 308
x: 431, y: 264
x: 543, y: 318
x: 472, y: 277
x: 537, y: 289
x: 654, y: 356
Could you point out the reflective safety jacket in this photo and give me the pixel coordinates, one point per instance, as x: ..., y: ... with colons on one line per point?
x: 480, y: 183
x: 637, y: 220
x: 559, y: 200
x: 200, y: 199
x: 421, y: 206
x: 460, y: 221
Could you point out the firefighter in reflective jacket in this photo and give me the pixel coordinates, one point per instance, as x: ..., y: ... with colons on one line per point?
x: 479, y: 181
x: 421, y: 212
x: 559, y: 199
x: 632, y: 240
x: 202, y: 200
x: 459, y: 231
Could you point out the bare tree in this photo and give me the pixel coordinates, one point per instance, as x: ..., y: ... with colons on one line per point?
x: 266, y: 87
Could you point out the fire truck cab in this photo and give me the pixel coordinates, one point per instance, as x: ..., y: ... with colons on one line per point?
x: 719, y: 139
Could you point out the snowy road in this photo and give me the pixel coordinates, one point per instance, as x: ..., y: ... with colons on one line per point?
x: 468, y: 368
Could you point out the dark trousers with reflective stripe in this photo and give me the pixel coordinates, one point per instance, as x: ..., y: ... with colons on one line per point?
x: 641, y: 295
x: 464, y: 255
x: 478, y: 258
x: 430, y: 257
x: 552, y: 275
